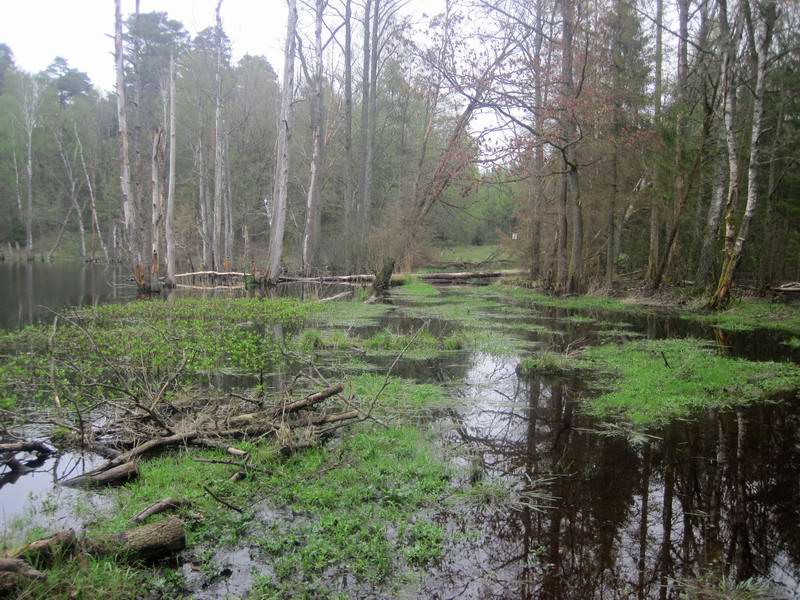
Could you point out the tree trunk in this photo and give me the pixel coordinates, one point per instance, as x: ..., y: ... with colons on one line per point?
x: 92, y: 199
x: 349, y: 192
x: 364, y: 135
x: 711, y: 232
x: 72, y: 182
x: 654, y: 254
x: 16, y: 183
x: 565, y: 267
x: 30, y: 110
x: 128, y: 209
x: 170, y: 219
x: 217, y: 251
x: 155, y: 232
x: 733, y: 248
x: 312, y: 229
x: 281, y: 177
x: 202, y: 203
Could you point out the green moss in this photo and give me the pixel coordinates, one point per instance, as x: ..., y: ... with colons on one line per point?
x: 645, y: 391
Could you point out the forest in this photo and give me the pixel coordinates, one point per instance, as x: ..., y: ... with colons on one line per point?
x: 459, y: 299
x: 599, y: 142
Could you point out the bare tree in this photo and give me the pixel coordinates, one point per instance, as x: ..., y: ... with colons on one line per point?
x: 92, y: 198
x: 281, y: 177
x: 169, y: 224
x: 311, y: 233
x: 73, y: 182
x: 217, y: 250
x: 128, y: 207
x: 31, y: 102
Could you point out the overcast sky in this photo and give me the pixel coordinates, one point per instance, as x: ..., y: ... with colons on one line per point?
x: 78, y: 30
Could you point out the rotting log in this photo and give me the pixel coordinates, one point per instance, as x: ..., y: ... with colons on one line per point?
x: 115, y: 475
x: 15, y: 572
x: 144, y: 543
x: 26, y: 446
x: 44, y: 551
x: 159, y: 507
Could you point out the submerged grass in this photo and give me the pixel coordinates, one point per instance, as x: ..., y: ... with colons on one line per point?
x: 654, y: 381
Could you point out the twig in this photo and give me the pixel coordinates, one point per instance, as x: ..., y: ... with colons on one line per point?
x: 221, y: 501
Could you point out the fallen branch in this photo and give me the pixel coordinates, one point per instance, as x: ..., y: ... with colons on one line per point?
x: 15, y: 572
x: 145, y: 543
x: 112, y: 476
x: 44, y: 551
x: 223, y: 502
x: 159, y: 507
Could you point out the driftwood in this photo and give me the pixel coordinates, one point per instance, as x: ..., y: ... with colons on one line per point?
x: 159, y: 507
x: 286, y: 409
x: 115, y: 475
x: 44, y: 551
x: 145, y: 543
x: 26, y: 446
x: 15, y: 572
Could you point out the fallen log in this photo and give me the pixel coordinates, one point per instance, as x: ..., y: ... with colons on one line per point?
x: 115, y: 475
x: 15, y: 572
x: 44, y: 551
x: 337, y: 296
x: 464, y: 275
x: 145, y: 543
x: 212, y: 274
x: 26, y: 446
x: 159, y: 507
x: 150, y: 446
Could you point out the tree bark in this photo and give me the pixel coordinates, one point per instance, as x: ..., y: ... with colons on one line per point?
x: 765, y: 18
x: 217, y: 251
x: 349, y: 191
x: 364, y: 135
x: 92, y: 198
x: 711, y: 231
x: 170, y: 218
x: 313, y: 219
x: 157, y: 209
x: 281, y: 177
x: 654, y: 253
x: 128, y: 208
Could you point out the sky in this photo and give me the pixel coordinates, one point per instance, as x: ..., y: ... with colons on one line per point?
x: 39, y: 30
x: 82, y: 30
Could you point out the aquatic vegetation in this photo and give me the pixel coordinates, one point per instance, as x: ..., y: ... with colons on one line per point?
x: 415, y: 287
x: 548, y: 362
x: 349, y: 313
x: 397, y: 393
x: 749, y: 314
x: 654, y: 381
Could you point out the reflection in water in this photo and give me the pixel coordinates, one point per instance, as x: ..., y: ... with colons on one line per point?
x: 609, y: 517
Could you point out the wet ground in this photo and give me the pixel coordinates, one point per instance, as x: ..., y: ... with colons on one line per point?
x: 564, y: 506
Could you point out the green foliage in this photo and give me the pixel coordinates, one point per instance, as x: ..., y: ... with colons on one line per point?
x: 415, y: 287
x: 749, y: 314
x: 397, y: 393
x: 548, y: 363
x: 654, y: 381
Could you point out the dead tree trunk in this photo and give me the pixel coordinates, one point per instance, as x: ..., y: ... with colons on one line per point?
x: 349, y: 193
x: 170, y: 218
x: 155, y: 233
x: 128, y: 209
x: 74, y: 187
x: 654, y: 253
x: 30, y: 116
x: 216, y: 257
x: 281, y: 178
x: 312, y: 229
x: 92, y: 199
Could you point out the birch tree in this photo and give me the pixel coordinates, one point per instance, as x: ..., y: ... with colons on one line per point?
x: 281, y: 176
x: 169, y: 224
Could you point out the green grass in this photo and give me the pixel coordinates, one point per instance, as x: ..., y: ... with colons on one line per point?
x: 750, y: 314
x: 642, y: 389
x: 349, y: 313
x: 398, y: 394
x: 349, y: 497
x: 415, y: 288
x: 548, y: 362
